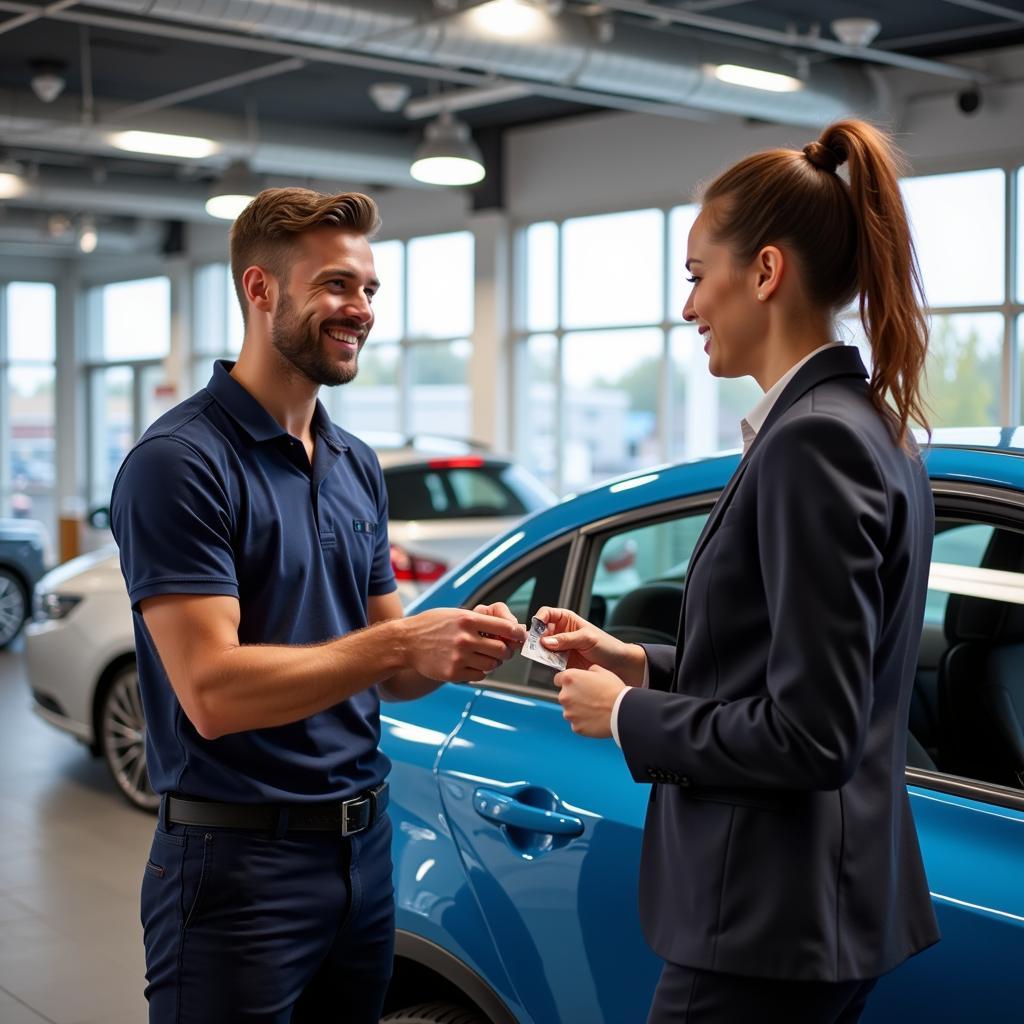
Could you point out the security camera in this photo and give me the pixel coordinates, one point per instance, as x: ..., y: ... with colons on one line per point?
x: 48, y: 79
x: 968, y: 101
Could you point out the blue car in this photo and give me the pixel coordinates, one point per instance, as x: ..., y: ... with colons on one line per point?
x: 517, y: 844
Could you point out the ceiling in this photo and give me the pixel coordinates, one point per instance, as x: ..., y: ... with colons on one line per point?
x: 285, y: 84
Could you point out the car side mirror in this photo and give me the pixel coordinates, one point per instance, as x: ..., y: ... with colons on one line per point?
x: 99, y: 518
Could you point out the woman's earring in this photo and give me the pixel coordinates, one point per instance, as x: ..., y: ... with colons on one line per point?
x: 760, y: 297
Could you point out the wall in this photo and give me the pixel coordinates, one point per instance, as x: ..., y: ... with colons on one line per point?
x: 618, y: 161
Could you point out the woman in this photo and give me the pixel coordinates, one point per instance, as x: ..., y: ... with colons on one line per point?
x: 781, y: 874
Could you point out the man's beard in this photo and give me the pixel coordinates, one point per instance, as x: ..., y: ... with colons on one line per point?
x: 304, y: 348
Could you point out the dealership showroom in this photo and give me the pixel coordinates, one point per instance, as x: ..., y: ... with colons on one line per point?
x: 571, y: 359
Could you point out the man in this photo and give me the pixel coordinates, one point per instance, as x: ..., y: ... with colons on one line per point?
x: 253, y: 537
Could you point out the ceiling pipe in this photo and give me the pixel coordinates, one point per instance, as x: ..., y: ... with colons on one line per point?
x: 639, y: 64
x: 692, y: 19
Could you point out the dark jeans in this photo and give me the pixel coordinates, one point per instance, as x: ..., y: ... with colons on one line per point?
x: 686, y: 995
x: 241, y: 927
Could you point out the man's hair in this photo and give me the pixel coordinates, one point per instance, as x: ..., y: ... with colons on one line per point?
x: 266, y: 230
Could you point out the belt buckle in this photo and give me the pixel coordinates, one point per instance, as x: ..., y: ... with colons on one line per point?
x: 358, y: 808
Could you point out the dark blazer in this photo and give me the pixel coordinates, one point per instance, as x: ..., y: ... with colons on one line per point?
x: 780, y: 843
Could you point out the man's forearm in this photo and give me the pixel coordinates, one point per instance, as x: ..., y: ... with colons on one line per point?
x: 407, y: 685
x: 255, y: 686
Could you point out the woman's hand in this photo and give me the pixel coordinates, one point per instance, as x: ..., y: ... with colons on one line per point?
x: 588, y: 698
x: 586, y: 645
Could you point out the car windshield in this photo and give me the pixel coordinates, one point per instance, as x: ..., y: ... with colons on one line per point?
x: 443, y: 489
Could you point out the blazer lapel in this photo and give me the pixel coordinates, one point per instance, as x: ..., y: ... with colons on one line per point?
x: 841, y: 361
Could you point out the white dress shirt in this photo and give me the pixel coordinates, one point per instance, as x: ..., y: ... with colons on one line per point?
x: 749, y: 426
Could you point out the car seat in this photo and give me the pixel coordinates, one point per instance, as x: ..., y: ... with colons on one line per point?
x: 981, y: 677
x: 649, y: 614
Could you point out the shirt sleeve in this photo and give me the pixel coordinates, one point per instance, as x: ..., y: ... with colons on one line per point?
x: 382, y: 574
x: 172, y: 520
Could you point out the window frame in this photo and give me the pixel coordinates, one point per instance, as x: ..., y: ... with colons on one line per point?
x: 7, y: 364
x: 1011, y: 392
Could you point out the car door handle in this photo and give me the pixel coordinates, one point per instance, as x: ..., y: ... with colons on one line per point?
x: 506, y: 810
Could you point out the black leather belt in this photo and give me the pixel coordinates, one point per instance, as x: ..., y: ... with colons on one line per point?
x: 349, y: 817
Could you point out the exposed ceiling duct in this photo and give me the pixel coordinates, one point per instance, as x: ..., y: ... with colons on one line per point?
x: 641, y: 63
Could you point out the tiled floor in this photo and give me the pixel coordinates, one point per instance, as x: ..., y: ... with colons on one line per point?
x: 71, y: 860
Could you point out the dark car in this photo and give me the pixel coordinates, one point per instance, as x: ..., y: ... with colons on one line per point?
x: 22, y: 557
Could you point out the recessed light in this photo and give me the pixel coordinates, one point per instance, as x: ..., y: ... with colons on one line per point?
x: 509, y: 17
x: 755, y: 78
x: 158, y: 144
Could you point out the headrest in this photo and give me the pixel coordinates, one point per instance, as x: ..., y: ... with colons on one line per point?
x: 654, y: 606
x: 979, y: 618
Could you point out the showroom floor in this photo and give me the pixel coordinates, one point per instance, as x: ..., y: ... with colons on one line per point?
x: 71, y: 858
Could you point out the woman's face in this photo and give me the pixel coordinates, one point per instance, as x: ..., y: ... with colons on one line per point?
x: 723, y: 304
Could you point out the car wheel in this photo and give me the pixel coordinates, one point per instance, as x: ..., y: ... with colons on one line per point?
x: 122, y: 731
x: 13, y: 606
x: 434, y: 1013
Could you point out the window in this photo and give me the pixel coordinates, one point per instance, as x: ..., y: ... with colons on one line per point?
x: 600, y: 338
x: 414, y: 369
x: 608, y: 378
x: 960, y: 231
x: 217, y: 325
x: 28, y: 402
x: 526, y: 590
x: 129, y: 337
x: 637, y: 579
x: 453, y: 492
x: 970, y: 682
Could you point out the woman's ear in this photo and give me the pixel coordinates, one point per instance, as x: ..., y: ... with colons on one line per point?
x: 769, y: 266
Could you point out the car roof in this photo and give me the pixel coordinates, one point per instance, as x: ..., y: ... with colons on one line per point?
x: 391, y: 458
x: 968, y: 460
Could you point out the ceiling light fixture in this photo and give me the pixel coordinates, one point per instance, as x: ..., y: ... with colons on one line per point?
x: 48, y: 78
x: 448, y: 155
x: 856, y: 31
x: 158, y: 144
x: 510, y: 17
x: 755, y: 78
x: 88, y: 237
x: 232, y: 192
x: 12, y: 179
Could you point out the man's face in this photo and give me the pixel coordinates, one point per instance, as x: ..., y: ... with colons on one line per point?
x: 324, y: 313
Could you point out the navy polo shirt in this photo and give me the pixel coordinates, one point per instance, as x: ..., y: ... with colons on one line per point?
x: 217, y: 499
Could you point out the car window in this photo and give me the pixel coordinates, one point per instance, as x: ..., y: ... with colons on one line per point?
x: 637, y: 579
x: 431, y: 492
x: 967, y: 712
x: 537, y: 583
x: 474, y: 489
x: 955, y: 544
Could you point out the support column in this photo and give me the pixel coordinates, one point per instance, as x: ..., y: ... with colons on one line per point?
x: 489, y: 362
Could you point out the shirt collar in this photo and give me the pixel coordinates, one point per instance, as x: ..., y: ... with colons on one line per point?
x: 253, y: 418
x: 754, y: 420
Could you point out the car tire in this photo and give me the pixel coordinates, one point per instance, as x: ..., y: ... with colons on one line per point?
x: 13, y: 606
x: 120, y: 731
x: 435, y: 1013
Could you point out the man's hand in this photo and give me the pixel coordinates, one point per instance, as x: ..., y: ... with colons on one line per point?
x: 586, y: 645
x: 587, y: 697
x: 452, y: 644
x: 501, y: 610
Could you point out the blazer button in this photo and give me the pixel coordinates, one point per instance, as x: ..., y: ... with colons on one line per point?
x: 683, y: 780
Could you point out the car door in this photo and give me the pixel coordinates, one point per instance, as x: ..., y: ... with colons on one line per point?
x: 967, y: 800
x: 549, y: 824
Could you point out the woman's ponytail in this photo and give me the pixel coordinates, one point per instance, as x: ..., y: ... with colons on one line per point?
x: 888, y: 276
